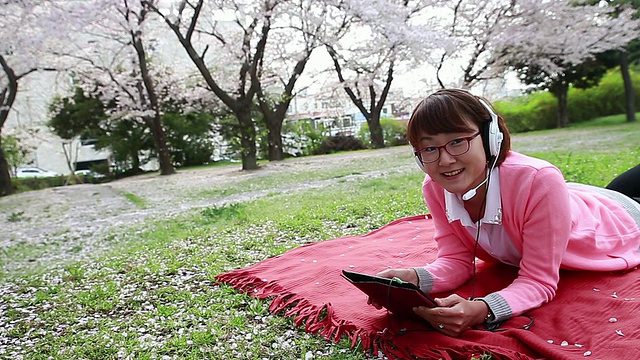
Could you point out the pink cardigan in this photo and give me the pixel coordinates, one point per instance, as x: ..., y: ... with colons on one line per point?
x: 552, y: 225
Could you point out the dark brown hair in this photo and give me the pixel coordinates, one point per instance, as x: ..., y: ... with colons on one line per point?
x: 450, y: 110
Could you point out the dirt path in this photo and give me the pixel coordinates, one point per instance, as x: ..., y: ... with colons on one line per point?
x: 70, y: 222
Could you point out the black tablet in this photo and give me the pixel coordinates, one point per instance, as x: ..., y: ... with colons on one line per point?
x: 397, y: 296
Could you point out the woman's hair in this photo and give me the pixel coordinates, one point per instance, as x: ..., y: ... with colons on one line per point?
x: 450, y: 110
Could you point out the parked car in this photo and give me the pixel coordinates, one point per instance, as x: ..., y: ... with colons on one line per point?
x: 28, y: 172
x: 86, y: 172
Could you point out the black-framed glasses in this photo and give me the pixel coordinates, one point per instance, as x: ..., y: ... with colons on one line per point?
x: 455, y: 147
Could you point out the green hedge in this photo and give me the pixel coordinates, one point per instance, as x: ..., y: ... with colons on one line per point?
x: 538, y: 110
x: 530, y: 112
x: 393, y: 131
x: 607, y: 98
x: 35, y: 183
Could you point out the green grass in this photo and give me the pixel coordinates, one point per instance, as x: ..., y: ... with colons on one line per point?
x: 136, y: 200
x: 154, y: 294
x: 593, y: 168
x: 16, y: 216
x: 620, y: 119
x: 288, y: 177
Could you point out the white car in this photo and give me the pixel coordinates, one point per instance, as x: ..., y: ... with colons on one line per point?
x: 86, y: 172
x: 29, y: 172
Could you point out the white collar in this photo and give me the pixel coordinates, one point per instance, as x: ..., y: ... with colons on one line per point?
x: 493, y: 210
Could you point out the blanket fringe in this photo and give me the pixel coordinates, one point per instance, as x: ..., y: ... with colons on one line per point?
x: 321, y: 320
x: 315, y: 319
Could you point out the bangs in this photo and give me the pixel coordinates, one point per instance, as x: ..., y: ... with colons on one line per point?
x: 435, y: 115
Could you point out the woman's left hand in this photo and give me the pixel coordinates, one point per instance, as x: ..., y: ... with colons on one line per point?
x: 454, y: 314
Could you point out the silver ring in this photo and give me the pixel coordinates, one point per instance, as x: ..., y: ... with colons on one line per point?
x: 441, y: 326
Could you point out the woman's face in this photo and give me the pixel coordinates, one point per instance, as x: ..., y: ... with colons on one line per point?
x: 457, y: 174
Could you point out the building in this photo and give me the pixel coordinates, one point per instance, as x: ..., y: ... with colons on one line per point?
x: 337, y: 114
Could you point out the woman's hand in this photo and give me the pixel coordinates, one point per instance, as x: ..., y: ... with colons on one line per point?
x: 454, y: 314
x: 408, y: 275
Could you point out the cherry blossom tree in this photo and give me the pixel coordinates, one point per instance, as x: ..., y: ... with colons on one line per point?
x: 250, y: 51
x: 550, y: 40
x: 473, y: 29
x: 18, y: 143
x: 386, y: 36
x: 489, y: 38
x: 300, y: 28
x: 623, y: 57
x: 236, y: 32
x: 26, y: 27
x: 116, y: 66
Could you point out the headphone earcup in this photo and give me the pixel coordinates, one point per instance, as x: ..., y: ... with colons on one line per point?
x: 495, y: 136
x: 492, y: 134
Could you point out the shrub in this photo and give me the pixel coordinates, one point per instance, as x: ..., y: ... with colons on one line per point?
x: 301, y: 138
x: 538, y: 110
x: 608, y: 98
x: 535, y: 111
x: 339, y: 143
x: 37, y: 183
x: 394, y: 132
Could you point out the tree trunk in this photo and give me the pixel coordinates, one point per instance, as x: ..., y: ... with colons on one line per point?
x: 273, y: 120
x: 7, y: 98
x: 160, y: 139
x: 155, y: 123
x: 275, y: 117
x: 276, y: 152
x: 377, y: 136
x: 135, y: 162
x: 629, y: 92
x: 562, y: 92
x: 247, y: 138
x: 6, y: 188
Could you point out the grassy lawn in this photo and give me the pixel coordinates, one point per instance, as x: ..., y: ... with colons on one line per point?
x: 154, y: 297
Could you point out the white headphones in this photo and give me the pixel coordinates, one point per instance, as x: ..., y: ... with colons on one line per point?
x: 491, y: 137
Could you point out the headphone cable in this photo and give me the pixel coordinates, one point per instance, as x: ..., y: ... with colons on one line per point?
x: 479, y: 225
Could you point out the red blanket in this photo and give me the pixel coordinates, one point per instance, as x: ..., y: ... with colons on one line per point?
x: 594, y: 315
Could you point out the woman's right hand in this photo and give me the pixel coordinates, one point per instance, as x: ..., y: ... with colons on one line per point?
x: 408, y: 275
